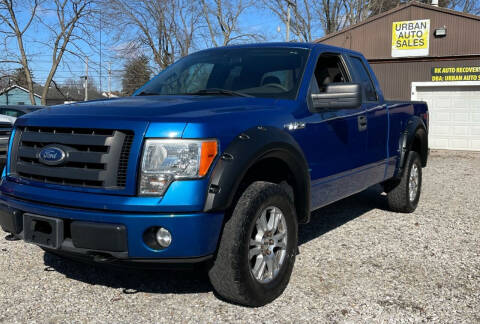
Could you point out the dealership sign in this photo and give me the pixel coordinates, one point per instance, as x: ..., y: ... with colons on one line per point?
x: 410, y: 38
x: 459, y: 73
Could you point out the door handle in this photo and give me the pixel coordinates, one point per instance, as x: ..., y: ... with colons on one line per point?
x: 362, y: 123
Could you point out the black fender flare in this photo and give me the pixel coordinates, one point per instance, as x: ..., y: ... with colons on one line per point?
x: 415, y: 127
x: 243, y: 152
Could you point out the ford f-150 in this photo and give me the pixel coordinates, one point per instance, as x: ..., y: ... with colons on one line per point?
x: 215, y: 160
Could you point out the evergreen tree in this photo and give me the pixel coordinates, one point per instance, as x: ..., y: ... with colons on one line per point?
x: 137, y: 73
x: 19, y: 77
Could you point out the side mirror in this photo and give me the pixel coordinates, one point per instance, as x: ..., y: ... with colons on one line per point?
x: 338, y: 96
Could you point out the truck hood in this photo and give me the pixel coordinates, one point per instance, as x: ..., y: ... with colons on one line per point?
x: 155, y: 108
x: 167, y: 116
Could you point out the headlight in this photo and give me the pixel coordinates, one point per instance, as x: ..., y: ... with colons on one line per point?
x: 165, y: 160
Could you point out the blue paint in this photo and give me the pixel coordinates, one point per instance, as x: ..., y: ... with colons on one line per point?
x: 341, y: 160
x: 10, y: 143
x: 181, y: 196
x: 194, y: 234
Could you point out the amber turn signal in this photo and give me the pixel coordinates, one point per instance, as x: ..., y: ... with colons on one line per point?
x: 209, y: 152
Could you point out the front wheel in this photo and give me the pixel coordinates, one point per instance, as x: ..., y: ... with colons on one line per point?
x: 405, y: 195
x: 257, y: 249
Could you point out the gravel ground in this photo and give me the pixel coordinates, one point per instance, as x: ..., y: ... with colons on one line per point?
x: 357, y: 263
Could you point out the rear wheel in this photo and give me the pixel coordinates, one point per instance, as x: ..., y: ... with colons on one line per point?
x: 257, y: 248
x: 405, y: 195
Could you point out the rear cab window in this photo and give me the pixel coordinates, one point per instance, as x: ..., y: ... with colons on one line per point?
x: 363, y: 76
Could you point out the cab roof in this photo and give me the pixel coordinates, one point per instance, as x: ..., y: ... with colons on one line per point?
x: 304, y: 45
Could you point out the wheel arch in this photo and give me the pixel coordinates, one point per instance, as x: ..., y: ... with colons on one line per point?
x: 414, y: 138
x: 260, y: 154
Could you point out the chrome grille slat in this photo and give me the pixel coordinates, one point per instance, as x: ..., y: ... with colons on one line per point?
x: 75, y: 139
x: 63, y: 172
x: 78, y: 156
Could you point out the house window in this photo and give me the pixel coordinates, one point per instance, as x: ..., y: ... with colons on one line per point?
x: 21, y: 103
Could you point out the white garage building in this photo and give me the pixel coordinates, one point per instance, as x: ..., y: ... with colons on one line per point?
x: 454, y: 113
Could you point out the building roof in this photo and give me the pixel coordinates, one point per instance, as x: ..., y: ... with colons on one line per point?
x: 54, y: 94
x: 400, y: 8
x: 7, y: 89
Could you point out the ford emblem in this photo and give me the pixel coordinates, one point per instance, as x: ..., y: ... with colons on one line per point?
x: 51, y: 155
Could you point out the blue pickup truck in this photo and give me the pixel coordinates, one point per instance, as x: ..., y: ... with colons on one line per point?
x: 216, y: 161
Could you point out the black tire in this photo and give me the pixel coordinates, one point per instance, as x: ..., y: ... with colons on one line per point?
x: 399, y: 197
x: 230, y: 274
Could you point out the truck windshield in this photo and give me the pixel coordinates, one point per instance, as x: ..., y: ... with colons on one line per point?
x: 256, y: 72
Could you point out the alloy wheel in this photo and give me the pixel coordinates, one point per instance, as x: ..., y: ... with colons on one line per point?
x: 268, y: 245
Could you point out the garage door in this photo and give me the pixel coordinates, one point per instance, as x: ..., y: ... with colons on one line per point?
x: 454, y: 115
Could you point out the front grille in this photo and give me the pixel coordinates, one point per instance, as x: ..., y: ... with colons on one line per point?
x: 94, y: 157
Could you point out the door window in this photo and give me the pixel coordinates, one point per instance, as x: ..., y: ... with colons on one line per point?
x: 329, y: 70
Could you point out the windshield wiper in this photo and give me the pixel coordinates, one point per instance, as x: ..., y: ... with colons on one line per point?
x: 216, y: 91
x: 146, y: 93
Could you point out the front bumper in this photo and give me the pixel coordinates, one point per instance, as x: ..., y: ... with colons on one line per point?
x: 194, y: 235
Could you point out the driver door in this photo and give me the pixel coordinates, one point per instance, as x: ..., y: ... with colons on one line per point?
x: 332, y: 141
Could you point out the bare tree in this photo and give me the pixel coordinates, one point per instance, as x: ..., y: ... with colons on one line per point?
x: 301, y: 16
x: 185, y: 17
x: 374, y: 7
x: 223, y: 21
x: 329, y: 15
x: 167, y: 28
x: 356, y: 11
x: 70, y: 16
x: 469, y: 6
x: 334, y: 15
x: 8, y: 18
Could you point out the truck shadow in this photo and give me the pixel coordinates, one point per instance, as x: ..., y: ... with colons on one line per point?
x: 195, y: 280
x: 160, y: 281
x: 335, y: 215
